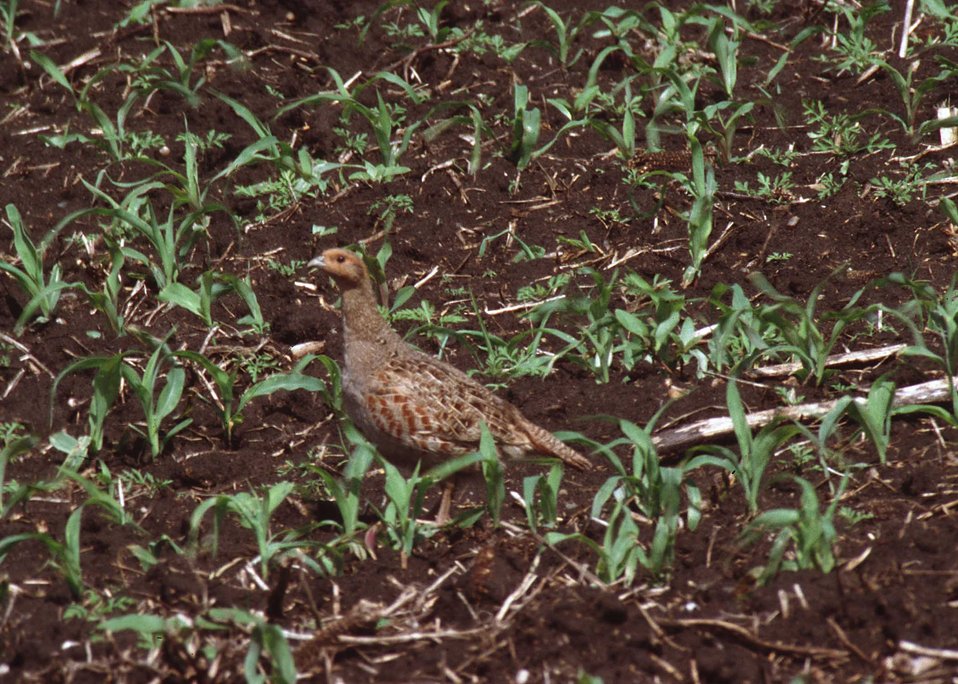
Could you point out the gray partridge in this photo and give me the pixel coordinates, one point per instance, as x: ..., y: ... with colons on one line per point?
x: 411, y: 405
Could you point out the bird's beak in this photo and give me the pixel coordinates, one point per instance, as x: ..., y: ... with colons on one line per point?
x: 317, y: 262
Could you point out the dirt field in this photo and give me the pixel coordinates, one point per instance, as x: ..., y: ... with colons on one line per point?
x: 147, y: 584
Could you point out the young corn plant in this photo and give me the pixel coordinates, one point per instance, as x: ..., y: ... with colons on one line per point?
x: 404, y: 504
x: 12, y: 448
x: 623, y: 138
x: 211, y: 286
x: 540, y: 498
x: 938, y: 314
x: 64, y: 555
x: 8, y: 26
x: 267, y: 641
x: 107, y: 299
x: 653, y: 326
x: 755, y: 452
x: 157, y: 407
x: 807, y: 531
x: 600, y: 335
x: 651, y: 490
x: 526, y: 125
x: 172, y: 240
x: 702, y: 188
x: 874, y: 414
x: 913, y: 94
x: 384, y: 119
x: 230, y: 408
x: 487, y: 458
x: 42, y: 289
x: 106, y: 390
x: 347, y: 491
x: 254, y: 513
x: 299, y: 174
x: 565, y: 34
x: 113, y: 137
x: 798, y: 325
x: 740, y: 333
x: 638, y: 494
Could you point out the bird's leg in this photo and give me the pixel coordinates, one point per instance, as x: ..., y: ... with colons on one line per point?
x: 445, y: 504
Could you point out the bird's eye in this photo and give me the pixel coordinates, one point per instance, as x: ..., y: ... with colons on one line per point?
x: 340, y: 259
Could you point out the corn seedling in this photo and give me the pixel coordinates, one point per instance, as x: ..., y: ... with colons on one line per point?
x: 741, y: 333
x: 157, y: 407
x: 384, y: 118
x: 653, y: 491
x: 429, y: 18
x: 487, y: 457
x: 12, y: 447
x: 266, y: 640
x: 874, y: 414
x: 172, y: 239
x: 540, y: 498
x: 702, y: 188
x: 42, y: 289
x: 913, y: 94
x: 107, y: 299
x: 112, y: 505
x: 106, y: 389
x: 253, y: 512
x: 655, y: 326
x: 230, y: 408
x: 64, y: 555
x: 798, y: 325
x: 755, y: 452
x: 404, y: 504
x: 526, y: 124
x: 807, y: 531
x: 8, y: 25
x: 565, y: 34
x: 623, y: 138
x: 346, y: 492
x: 211, y: 286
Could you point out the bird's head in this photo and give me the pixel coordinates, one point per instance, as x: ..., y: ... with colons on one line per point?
x: 346, y: 268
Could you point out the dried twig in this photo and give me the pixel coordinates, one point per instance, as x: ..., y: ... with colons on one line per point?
x: 943, y: 653
x: 931, y: 392
x: 753, y: 640
x: 906, y: 29
x: 862, y: 356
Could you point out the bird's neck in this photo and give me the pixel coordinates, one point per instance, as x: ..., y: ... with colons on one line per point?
x: 361, y: 318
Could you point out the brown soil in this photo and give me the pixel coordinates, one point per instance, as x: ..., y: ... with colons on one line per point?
x: 897, y: 578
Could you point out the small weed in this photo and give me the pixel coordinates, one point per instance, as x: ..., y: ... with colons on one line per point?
x: 840, y: 134
x: 95, y: 606
x: 778, y: 156
x: 828, y: 184
x: 778, y: 256
x: 853, y: 517
x: 288, y: 270
x: 901, y: 191
x: 389, y: 208
x: 775, y: 190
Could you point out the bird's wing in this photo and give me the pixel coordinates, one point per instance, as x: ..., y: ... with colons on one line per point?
x: 433, y: 407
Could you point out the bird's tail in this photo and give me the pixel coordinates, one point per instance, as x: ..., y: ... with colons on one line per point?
x: 546, y: 443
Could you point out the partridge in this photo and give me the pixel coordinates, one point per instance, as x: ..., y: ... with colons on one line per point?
x: 411, y: 405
